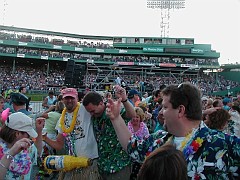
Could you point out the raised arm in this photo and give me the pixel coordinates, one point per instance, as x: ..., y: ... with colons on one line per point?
x: 6, y: 159
x: 39, y: 127
x: 121, y: 93
x: 113, y: 111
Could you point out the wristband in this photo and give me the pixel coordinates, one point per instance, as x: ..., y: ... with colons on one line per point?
x: 9, y: 156
x: 124, y: 101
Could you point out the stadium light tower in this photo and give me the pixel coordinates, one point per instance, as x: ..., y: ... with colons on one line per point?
x: 4, y: 11
x: 165, y: 6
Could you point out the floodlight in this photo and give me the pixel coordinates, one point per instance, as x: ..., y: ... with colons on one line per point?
x: 165, y: 6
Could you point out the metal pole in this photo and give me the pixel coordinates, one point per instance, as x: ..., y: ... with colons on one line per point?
x: 48, y: 68
x: 14, y: 66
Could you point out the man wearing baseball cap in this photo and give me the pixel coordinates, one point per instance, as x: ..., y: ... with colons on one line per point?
x: 75, y: 129
x: 133, y: 96
x: 19, y: 102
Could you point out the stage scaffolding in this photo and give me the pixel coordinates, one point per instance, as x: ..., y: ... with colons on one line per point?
x: 103, y: 77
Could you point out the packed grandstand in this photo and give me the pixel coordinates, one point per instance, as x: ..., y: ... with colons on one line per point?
x: 39, y: 60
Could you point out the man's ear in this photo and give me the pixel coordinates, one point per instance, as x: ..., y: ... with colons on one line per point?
x: 181, y: 110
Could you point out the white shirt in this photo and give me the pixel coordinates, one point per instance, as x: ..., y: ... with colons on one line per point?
x: 85, y: 142
x: 178, y: 141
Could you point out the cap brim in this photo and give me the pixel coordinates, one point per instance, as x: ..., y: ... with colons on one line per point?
x: 69, y: 95
x: 33, y: 133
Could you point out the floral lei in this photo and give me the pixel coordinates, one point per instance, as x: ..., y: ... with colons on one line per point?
x: 74, y: 120
x: 189, y: 147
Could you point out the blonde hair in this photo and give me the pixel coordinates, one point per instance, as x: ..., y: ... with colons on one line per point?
x: 140, y: 113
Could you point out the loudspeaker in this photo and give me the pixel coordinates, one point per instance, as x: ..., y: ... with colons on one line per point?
x: 69, y: 73
x: 78, y: 75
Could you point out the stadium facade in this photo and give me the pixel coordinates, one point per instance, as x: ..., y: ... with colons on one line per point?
x: 108, y: 57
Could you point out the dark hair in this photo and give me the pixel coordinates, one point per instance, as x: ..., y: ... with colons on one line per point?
x: 21, y: 88
x: 59, y: 106
x: 166, y: 163
x: 7, y: 134
x: 80, y: 95
x: 157, y: 92
x: 162, y: 87
x: 236, y: 108
x: 216, y: 103
x: 50, y: 92
x: 60, y: 97
x: 92, y: 97
x: 225, y: 103
x: 189, y: 96
x: 218, y: 119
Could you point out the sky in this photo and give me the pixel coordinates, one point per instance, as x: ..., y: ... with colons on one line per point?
x: 215, y: 22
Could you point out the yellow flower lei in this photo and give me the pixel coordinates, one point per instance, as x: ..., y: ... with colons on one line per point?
x: 75, y: 112
x: 185, y: 141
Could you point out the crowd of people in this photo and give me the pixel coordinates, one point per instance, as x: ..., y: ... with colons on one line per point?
x: 107, y: 58
x: 38, y: 79
x: 173, y: 133
x: 33, y: 78
x: 89, y: 43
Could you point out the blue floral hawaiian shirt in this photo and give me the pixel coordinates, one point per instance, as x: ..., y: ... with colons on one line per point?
x: 210, y: 154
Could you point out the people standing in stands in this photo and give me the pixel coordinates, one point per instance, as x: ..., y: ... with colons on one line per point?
x: 49, y: 100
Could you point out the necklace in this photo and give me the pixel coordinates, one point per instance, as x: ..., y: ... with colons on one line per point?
x: 185, y: 141
x: 74, y: 119
x: 191, y: 144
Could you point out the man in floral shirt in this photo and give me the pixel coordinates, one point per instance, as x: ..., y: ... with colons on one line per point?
x: 113, y: 162
x: 210, y: 154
